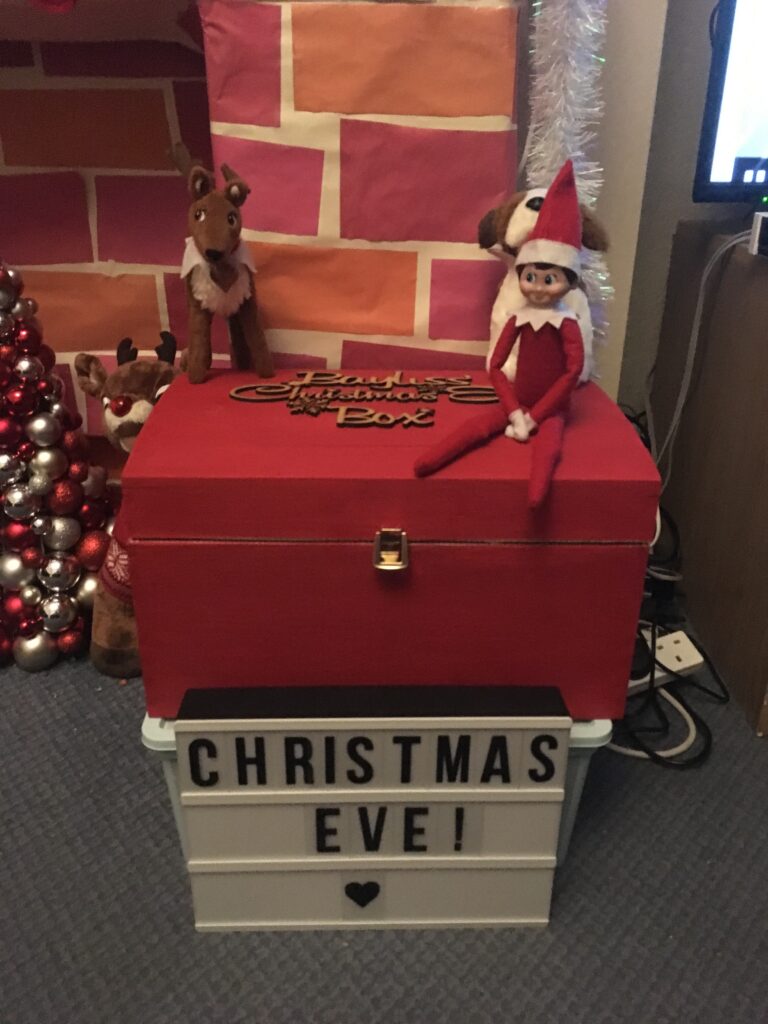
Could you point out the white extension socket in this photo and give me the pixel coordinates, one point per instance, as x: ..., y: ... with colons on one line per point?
x: 677, y: 652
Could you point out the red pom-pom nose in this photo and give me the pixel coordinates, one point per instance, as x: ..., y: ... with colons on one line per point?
x: 121, y: 405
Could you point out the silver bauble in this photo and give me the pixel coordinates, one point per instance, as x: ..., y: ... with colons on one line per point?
x: 31, y: 595
x: 14, y: 279
x: 7, y: 298
x: 86, y: 589
x: 95, y: 483
x: 57, y: 385
x: 59, y: 572
x: 24, y: 309
x: 35, y: 653
x: 58, y: 409
x: 29, y: 368
x: 57, y: 612
x: 6, y: 325
x: 40, y: 525
x: 51, y: 461
x: 19, y: 502
x: 11, y: 469
x: 13, y: 573
x: 110, y: 526
x: 40, y: 484
x: 43, y: 429
x: 63, y: 534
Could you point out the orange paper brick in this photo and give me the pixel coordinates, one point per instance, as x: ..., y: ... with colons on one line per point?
x: 125, y: 128
x: 404, y: 59
x: 87, y: 311
x: 363, y: 291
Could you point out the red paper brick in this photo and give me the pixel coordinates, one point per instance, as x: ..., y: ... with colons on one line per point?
x: 138, y: 58
x: 421, y: 184
x: 192, y: 112
x: 16, y: 54
x: 361, y: 355
x: 462, y: 296
x: 44, y: 218
x: 141, y: 219
x: 242, y: 56
x: 285, y: 183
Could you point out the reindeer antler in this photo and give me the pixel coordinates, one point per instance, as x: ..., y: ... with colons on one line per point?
x: 167, y: 349
x: 126, y: 353
x: 182, y: 160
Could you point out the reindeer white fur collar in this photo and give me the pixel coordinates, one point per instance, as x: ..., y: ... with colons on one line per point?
x: 204, y: 288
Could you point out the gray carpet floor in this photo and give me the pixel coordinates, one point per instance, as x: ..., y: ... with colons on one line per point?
x: 659, y: 915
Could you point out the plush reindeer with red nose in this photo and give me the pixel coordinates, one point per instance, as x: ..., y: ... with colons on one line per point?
x: 128, y: 395
x: 219, y: 271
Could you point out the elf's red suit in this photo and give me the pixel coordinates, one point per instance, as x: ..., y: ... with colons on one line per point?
x: 550, y: 360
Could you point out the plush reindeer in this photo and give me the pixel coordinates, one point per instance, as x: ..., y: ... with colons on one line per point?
x: 219, y: 272
x: 128, y: 395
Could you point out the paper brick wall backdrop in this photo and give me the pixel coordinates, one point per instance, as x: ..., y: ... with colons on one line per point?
x: 91, y: 208
x: 374, y: 137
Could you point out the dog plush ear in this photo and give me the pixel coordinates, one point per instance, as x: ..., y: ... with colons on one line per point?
x: 200, y: 182
x: 90, y: 373
x: 236, y: 189
x: 593, y: 234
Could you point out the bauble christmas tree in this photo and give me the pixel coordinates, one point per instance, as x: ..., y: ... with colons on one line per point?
x: 56, y: 507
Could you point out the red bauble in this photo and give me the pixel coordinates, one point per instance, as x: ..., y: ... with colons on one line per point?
x: 47, y: 357
x: 20, y: 401
x: 30, y: 625
x: 28, y: 338
x: 8, y: 353
x: 14, y: 608
x: 78, y: 470
x: 92, y: 550
x: 10, y: 432
x: 6, y: 649
x: 114, y: 499
x: 65, y: 497
x: 26, y: 451
x: 32, y: 557
x: 18, y: 536
x: 92, y: 514
x: 71, y: 642
x: 6, y: 372
x: 74, y: 444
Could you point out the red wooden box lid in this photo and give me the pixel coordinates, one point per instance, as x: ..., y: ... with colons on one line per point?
x: 207, y: 466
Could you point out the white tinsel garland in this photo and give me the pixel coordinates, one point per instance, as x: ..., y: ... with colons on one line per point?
x: 566, y: 106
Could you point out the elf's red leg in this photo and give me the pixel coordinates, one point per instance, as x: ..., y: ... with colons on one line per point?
x: 469, y: 435
x: 545, y: 455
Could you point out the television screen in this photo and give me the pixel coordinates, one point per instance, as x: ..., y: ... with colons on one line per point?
x: 733, y: 154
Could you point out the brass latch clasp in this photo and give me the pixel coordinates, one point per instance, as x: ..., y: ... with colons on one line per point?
x: 390, y: 550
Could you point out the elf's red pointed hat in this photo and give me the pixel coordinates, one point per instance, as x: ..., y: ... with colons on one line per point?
x: 556, y: 237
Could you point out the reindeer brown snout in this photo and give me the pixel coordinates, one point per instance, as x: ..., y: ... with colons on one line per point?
x: 214, y: 255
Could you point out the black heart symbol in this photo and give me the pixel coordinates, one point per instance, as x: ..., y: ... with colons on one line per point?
x: 362, y: 893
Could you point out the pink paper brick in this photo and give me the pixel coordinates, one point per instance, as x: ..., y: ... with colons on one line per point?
x: 367, y: 355
x: 139, y: 58
x: 44, y: 218
x: 178, y: 317
x: 141, y: 219
x: 242, y: 56
x: 285, y: 183
x: 289, y: 361
x: 462, y: 296
x: 192, y: 112
x: 422, y: 184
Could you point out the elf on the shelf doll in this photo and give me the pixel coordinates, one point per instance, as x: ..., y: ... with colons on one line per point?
x: 551, y: 349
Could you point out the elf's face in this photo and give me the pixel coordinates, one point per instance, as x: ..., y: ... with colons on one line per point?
x: 543, y: 287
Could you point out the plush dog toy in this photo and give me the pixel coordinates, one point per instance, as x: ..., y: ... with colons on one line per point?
x: 502, y: 232
x: 128, y: 396
x: 549, y: 342
x: 219, y: 271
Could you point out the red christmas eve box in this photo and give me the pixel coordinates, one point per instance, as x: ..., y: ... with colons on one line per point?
x: 278, y: 536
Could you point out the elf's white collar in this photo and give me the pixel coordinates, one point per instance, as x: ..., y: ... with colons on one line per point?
x: 204, y: 288
x: 537, y: 317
